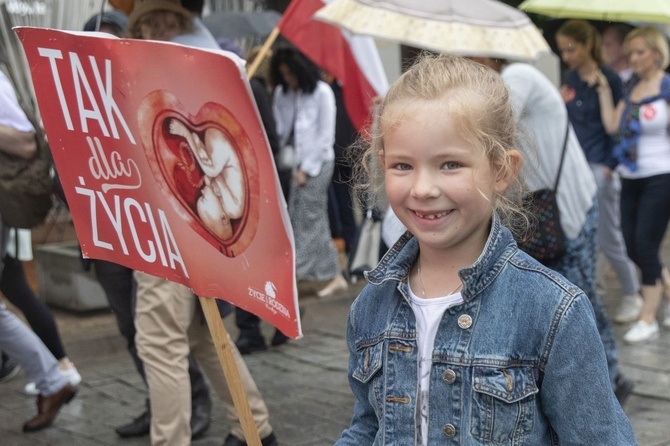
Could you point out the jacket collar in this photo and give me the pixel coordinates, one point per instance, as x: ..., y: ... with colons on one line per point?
x: 499, y: 247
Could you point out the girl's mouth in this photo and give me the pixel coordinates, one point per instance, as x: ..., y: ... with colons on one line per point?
x: 432, y: 216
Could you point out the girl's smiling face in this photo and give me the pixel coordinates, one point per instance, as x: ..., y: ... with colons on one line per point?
x: 440, y: 185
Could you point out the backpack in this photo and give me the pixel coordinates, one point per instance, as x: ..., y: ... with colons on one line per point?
x: 25, y: 186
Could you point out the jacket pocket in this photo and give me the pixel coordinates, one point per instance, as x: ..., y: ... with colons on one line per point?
x: 368, y: 360
x: 503, y: 403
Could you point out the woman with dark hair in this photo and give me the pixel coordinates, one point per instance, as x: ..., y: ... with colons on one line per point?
x: 580, y: 46
x: 304, y: 109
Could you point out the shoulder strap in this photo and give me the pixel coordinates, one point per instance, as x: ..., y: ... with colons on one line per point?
x: 565, y: 145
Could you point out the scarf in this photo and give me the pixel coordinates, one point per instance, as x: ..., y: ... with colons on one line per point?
x: 625, y: 141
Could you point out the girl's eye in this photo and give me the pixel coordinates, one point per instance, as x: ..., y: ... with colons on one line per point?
x: 402, y: 166
x: 451, y: 165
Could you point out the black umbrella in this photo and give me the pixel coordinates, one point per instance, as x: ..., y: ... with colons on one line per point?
x: 239, y: 24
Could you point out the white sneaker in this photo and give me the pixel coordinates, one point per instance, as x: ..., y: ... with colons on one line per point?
x: 666, y: 314
x: 642, y: 332
x: 629, y: 309
x: 73, y: 376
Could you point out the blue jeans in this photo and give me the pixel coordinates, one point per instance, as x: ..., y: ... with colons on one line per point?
x: 578, y: 265
x: 23, y: 345
x: 645, y: 212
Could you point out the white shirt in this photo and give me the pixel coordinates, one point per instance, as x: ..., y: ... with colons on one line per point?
x: 314, y: 134
x: 653, y: 147
x: 540, y: 111
x: 428, y: 314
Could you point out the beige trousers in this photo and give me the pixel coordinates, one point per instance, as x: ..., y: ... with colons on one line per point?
x: 168, y: 328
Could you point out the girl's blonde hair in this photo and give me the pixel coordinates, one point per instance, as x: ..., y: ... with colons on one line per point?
x: 583, y: 32
x: 654, y: 39
x: 475, y: 98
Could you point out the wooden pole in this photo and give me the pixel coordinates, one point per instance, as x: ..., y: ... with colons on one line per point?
x: 230, y: 371
x: 261, y: 54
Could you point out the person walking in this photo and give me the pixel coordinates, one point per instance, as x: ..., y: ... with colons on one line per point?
x: 641, y: 121
x: 580, y: 46
x: 304, y: 110
x: 169, y: 311
x: 17, y: 138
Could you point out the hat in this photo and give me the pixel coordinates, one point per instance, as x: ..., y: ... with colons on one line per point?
x: 145, y: 6
x: 115, y: 18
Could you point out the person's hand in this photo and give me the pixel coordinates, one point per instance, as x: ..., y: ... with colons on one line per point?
x: 599, y: 81
x: 608, y: 173
x: 300, y: 177
x: 567, y: 93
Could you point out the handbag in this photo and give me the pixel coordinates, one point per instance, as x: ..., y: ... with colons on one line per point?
x: 26, y: 186
x: 286, y: 158
x: 366, y: 252
x: 545, y: 240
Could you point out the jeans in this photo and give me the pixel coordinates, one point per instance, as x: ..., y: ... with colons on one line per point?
x: 578, y: 265
x: 23, y: 345
x: 645, y: 212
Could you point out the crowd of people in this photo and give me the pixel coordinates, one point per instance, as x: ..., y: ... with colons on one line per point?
x: 455, y: 144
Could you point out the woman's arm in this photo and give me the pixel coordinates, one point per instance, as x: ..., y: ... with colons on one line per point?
x: 610, y: 115
x: 17, y: 143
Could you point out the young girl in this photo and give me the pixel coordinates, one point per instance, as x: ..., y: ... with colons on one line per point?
x: 459, y: 336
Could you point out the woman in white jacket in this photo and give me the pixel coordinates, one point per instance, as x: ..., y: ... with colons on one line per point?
x: 304, y: 109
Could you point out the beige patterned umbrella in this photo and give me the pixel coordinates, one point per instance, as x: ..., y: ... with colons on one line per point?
x: 466, y: 27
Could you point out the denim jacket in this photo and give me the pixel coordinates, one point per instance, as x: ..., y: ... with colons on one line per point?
x: 519, y: 362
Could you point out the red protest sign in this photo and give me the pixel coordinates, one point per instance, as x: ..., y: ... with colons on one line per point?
x: 166, y: 167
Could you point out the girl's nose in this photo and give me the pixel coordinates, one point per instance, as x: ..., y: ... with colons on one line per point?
x: 424, y: 185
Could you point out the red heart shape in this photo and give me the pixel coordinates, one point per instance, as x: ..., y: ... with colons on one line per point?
x: 206, y: 166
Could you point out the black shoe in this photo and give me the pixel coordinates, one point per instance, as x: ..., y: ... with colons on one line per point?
x: 9, y: 369
x: 279, y: 338
x: 623, y: 388
x: 200, y: 416
x: 139, y: 427
x: 232, y: 440
x: 249, y: 344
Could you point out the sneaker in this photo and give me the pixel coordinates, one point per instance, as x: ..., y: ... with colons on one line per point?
x: 9, y: 369
x: 73, y: 376
x: 629, y: 309
x: 642, y: 332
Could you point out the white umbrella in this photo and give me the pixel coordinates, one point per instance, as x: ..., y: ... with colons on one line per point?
x: 471, y: 28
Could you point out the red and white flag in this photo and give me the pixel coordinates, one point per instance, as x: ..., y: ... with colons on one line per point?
x: 352, y: 59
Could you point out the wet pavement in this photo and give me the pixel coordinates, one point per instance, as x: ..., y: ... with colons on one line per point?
x: 304, y: 382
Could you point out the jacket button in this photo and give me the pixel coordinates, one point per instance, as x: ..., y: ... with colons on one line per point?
x: 464, y: 321
x: 449, y: 430
x: 449, y: 376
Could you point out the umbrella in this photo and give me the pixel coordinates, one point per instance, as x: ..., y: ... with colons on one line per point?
x: 472, y: 28
x: 239, y: 24
x: 609, y: 10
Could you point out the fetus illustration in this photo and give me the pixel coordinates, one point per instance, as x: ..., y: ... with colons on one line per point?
x: 223, y: 195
